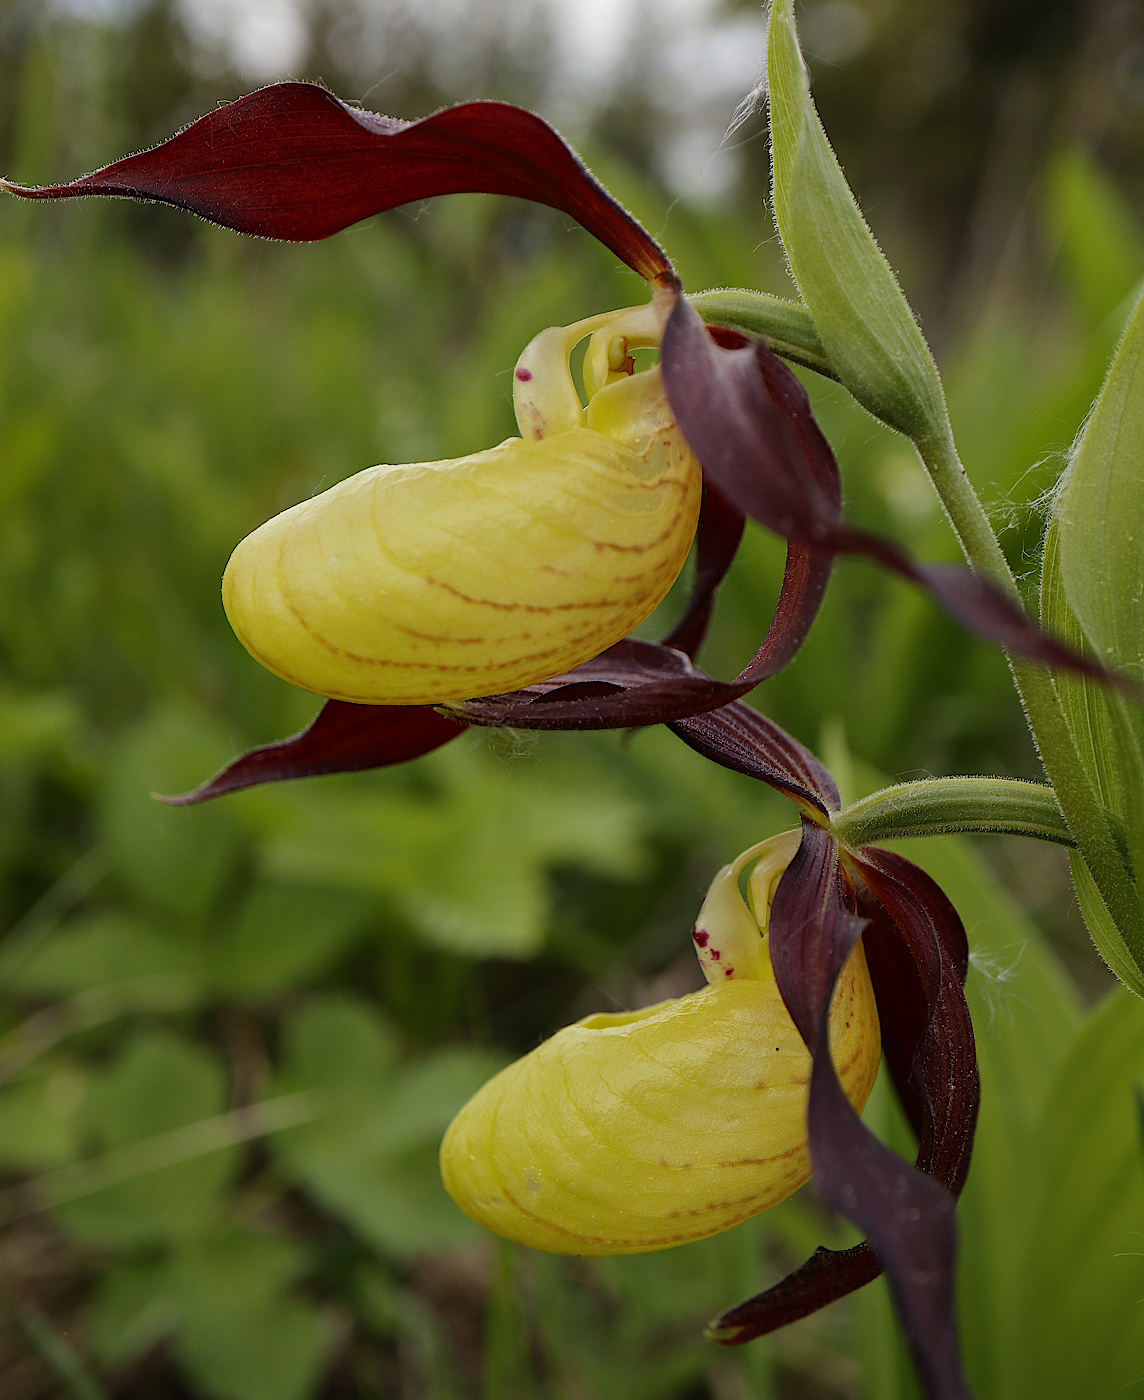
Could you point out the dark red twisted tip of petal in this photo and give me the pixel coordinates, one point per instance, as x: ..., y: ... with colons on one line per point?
x: 932, y: 1057
x: 716, y: 540
x: 630, y: 685
x: 748, y: 420
x: 291, y: 161
x: 746, y: 741
x: 804, y: 583
x: 341, y: 739
x: 916, y: 949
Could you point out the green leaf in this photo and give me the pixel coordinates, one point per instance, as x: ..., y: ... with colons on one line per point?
x: 224, y: 1300
x: 100, y: 950
x: 1093, y: 583
x: 39, y: 1127
x: 241, y: 1337
x: 283, y: 935
x: 1100, y: 513
x: 467, y: 868
x: 1109, y: 941
x: 35, y: 724
x: 132, y: 1309
x: 1026, y: 1016
x: 177, y: 859
x: 1098, y: 237
x: 158, y: 1083
x: 1077, y: 1325
x: 1083, y: 700
x: 1096, y: 732
x: 340, y: 1045
x: 867, y: 329
x: 372, y: 1158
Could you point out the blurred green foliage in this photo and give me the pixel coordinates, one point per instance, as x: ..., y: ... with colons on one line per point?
x: 230, y: 1037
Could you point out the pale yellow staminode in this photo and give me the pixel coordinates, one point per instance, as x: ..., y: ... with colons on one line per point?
x: 442, y: 581
x: 635, y: 1132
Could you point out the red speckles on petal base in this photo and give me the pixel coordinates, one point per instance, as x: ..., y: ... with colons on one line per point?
x: 728, y: 972
x: 700, y: 936
x: 716, y: 954
x: 524, y: 375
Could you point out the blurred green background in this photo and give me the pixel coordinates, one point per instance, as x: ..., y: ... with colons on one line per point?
x: 230, y: 1037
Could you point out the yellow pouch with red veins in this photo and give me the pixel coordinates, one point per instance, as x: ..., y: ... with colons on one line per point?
x: 635, y: 1132
x: 442, y: 581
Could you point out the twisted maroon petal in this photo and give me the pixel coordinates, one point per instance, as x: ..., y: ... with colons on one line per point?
x: 805, y: 577
x: 630, y: 685
x: 716, y: 540
x: 748, y: 420
x: 341, y: 739
x: 920, y: 926
x: 908, y: 1215
x: 916, y: 949
x: 291, y: 161
x: 804, y: 583
x: 742, y: 739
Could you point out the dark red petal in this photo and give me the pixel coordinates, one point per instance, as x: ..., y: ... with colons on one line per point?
x: 744, y: 740
x: 941, y: 1066
x: 341, y: 739
x: 771, y: 461
x: 292, y: 161
x: 749, y: 421
x: 908, y: 1216
x: 829, y: 1274
x: 813, y: 928
x: 716, y: 540
x: 630, y: 685
x: 916, y: 949
x: 804, y: 582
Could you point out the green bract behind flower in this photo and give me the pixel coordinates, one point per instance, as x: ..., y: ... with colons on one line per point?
x: 442, y: 581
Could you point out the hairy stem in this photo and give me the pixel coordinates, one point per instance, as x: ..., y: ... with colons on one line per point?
x: 787, y: 326
x: 936, y: 806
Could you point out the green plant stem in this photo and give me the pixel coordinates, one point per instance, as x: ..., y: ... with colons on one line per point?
x: 45, y: 1029
x: 937, y: 806
x: 58, y: 1353
x: 153, y: 1154
x: 787, y: 326
x: 966, y: 513
x: 1085, y: 814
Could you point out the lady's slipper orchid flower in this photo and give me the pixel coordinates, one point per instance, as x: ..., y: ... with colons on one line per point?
x: 645, y: 1129
x: 444, y: 580
x: 291, y: 161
